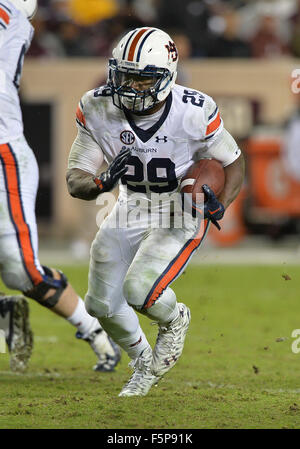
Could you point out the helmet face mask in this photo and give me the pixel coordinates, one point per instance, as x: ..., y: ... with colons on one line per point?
x: 121, y: 80
x: 142, y: 70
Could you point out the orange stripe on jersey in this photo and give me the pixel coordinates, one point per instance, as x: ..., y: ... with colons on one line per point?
x: 178, y: 264
x: 16, y: 213
x: 134, y: 43
x: 4, y: 16
x: 80, y: 116
x: 214, y: 125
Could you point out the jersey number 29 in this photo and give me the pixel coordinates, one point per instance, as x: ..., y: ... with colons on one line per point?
x: 160, y: 184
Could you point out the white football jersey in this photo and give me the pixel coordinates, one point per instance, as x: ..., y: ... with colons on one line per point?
x: 16, y: 34
x: 182, y: 132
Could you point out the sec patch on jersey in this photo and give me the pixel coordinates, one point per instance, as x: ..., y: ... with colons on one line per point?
x: 205, y: 171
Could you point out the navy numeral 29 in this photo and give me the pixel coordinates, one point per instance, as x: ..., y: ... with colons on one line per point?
x: 169, y: 180
x: 194, y: 97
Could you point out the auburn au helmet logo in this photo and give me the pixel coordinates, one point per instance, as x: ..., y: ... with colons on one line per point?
x: 173, y: 53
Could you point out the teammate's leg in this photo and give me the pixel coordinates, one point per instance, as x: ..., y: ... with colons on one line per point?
x: 20, y: 267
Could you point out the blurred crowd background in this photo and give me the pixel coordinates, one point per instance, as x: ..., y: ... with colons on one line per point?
x: 201, y: 28
x: 246, y: 54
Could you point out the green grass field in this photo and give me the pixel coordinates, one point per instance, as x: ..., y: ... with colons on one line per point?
x: 237, y: 369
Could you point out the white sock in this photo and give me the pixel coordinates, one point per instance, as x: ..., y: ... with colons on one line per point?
x: 124, y: 328
x: 84, y: 322
x: 134, y: 346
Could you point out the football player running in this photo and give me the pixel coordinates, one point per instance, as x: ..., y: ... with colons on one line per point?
x: 20, y: 268
x: 150, y: 131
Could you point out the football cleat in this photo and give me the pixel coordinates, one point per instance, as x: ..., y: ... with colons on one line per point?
x: 170, y: 342
x: 107, y: 351
x: 14, y: 319
x: 142, y: 379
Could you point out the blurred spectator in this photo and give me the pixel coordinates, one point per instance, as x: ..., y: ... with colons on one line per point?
x: 295, y: 40
x: 60, y: 9
x: 45, y: 43
x: 266, y: 43
x: 192, y: 17
x: 210, y: 28
x: 227, y: 44
x: 107, y: 32
x: 295, y: 33
x: 74, y: 41
x: 89, y: 12
x: 184, y: 48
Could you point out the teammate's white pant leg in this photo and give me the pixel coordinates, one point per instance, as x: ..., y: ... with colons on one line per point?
x: 19, y: 265
x: 160, y: 259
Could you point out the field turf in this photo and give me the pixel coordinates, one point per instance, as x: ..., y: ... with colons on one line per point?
x: 237, y: 369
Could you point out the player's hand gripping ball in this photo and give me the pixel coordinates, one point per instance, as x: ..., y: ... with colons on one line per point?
x: 200, y: 188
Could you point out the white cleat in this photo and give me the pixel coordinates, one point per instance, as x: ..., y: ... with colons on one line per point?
x: 170, y: 342
x: 106, y: 350
x: 142, y: 379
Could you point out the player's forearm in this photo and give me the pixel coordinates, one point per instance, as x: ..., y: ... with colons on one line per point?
x: 81, y: 185
x: 234, y: 177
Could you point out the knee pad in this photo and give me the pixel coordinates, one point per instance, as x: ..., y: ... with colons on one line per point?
x: 39, y: 291
x: 135, y: 293
x: 96, y: 307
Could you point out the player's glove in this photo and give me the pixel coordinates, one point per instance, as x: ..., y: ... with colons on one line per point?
x: 213, y: 209
x: 108, y: 179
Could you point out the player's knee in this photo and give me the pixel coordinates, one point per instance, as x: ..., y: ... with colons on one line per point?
x: 134, y: 293
x: 95, y: 307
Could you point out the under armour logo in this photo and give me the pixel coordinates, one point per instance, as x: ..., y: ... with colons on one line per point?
x: 165, y: 139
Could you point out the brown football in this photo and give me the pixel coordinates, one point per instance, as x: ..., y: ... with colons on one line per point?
x: 205, y: 171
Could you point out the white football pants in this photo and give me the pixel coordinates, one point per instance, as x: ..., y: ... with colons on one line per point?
x: 132, y: 267
x: 19, y: 265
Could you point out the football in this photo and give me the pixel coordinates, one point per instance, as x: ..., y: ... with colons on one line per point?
x: 205, y: 171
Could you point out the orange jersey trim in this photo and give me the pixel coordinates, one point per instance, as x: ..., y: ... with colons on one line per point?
x: 213, y: 125
x: 80, y: 116
x: 4, y: 16
x: 16, y: 212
